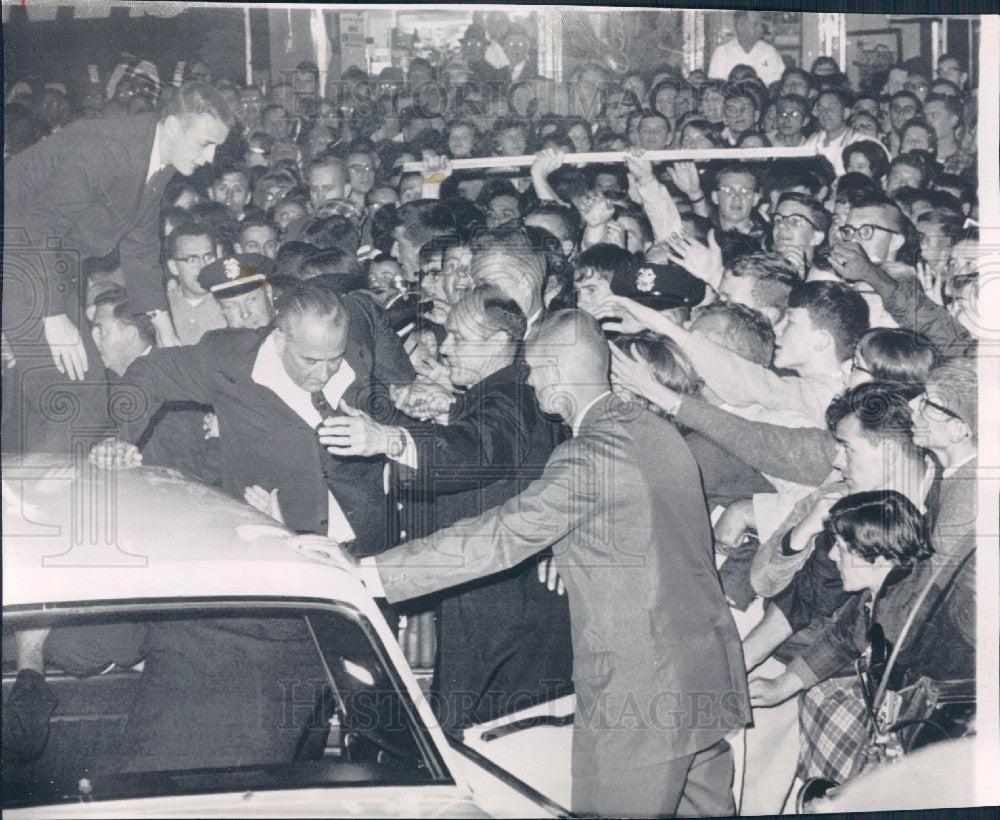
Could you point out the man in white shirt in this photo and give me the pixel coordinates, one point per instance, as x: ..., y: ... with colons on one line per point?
x: 747, y: 48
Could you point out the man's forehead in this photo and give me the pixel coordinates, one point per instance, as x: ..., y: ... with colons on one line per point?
x: 233, y: 178
x: 259, y: 230
x: 790, y: 206
x: 877, y: 215
x: 191, y: 242
x: 320, y: 333
x: 737, y: 178
x: 206, y: 126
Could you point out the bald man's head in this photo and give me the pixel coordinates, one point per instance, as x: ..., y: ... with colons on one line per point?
x: 569, y: 360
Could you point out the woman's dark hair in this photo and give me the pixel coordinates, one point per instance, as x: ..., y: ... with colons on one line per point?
x: 881, y: 523
x: 854, y: 186
x: 872, y: 151
x: 898, y: 355
x: 709, y: 131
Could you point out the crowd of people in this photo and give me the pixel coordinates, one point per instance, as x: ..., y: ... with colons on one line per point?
x: 605, y: 387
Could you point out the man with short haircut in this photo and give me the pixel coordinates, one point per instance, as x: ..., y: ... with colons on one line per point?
x: 762, y: 281
x: 271, y: 188
x: 648, y: 764
x: 417, y: 222
x: 903, y: 107
x: 94, y: 185
x: 792, y: 116
x: 171, y: 437
x: 595, y: 268
x: 189, y: 248
x: 946, y: 115
x: 907, y: 170
x: 328, y: 180
x: 951, y: 68
x: 361, y: 167
x: 741, y: 111
x: 736, y: 196
x: 653, y: 131
x: 747, y: 48
x: 562, y: 222
x: 799, y: 226
x: 257, y: 235
x: 230, y: 186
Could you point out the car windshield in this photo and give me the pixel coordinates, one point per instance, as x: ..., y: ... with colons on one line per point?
x: 156, y: 701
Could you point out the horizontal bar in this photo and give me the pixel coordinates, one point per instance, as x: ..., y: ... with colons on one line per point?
x: 598, y: 157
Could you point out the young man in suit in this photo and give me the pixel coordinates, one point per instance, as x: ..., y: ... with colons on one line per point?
x: 657, y: 663
x: 91, y: 187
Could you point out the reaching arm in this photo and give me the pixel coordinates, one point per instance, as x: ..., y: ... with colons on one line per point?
x: 484, y: 446
x: 547, y: 510
x: 764, y: 638
x: 801, y: 454
x: 734, y: 379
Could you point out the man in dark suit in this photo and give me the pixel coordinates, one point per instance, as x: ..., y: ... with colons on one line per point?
x: 91, y: 187
x: 271, y: 388
x: 657, y: 663
x: 503, y: 641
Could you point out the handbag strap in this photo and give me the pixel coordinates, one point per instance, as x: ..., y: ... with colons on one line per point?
x: 880, y: 693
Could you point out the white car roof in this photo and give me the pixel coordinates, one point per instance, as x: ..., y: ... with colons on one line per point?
x: 76, y: 532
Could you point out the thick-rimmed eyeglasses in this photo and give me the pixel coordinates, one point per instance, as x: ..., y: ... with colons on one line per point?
x: 865, y: 232
x: 794, y: 220
x: 197, y: 258
x: 742, y: 193
x: 940, y: 408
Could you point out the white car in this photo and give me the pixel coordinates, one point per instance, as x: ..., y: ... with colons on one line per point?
x: 218, y: 671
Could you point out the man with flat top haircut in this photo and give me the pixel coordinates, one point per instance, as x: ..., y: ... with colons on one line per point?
x: 621, y: 506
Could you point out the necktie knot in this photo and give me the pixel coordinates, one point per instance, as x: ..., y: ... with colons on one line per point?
x: 322, y: 406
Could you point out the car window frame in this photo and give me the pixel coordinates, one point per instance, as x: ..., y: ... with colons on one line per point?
x: 433, y: 757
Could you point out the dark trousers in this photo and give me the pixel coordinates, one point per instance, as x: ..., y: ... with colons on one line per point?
x: 698, y: 785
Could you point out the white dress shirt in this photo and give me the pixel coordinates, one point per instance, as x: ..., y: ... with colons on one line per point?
x: 269, y: 372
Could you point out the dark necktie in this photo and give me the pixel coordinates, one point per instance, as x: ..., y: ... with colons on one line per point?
x: 932, y: 503
x: 322, y: 406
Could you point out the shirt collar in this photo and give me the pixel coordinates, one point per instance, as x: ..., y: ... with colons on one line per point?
x: 156, y: 162
x: 950, y: 471
x: 578, y: 421
x: 269, y: 372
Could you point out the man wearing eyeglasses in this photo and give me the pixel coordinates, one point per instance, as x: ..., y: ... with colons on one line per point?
x: 799, y: 226
x: 903, y: 107
x: 736, y: 196
x: 190, y: 248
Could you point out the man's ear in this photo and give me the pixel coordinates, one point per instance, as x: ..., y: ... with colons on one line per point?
x: 958, y: 430
x: 279, y: 340
x: 238, y: 247
x: 817, y: 239
x: 822, y: 340
x: 172, y: 267
x: 715, y: 197
x: 347, y: 189
x: 897, y: 241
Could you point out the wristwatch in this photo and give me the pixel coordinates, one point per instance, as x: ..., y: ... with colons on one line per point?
x: 397, y: 444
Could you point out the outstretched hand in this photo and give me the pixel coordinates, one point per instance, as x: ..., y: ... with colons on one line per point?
x: 355, y: 434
